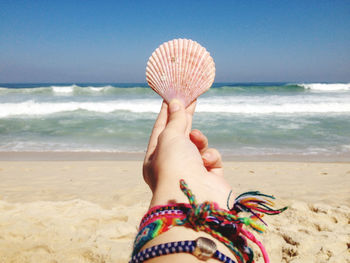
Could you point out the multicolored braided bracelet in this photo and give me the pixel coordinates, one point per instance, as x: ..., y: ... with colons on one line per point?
x: 203, y: 248
x: 224, y: 225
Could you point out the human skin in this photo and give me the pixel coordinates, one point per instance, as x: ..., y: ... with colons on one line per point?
x: 175, y: 152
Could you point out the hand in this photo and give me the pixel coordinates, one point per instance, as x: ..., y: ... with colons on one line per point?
x: 175, y: 153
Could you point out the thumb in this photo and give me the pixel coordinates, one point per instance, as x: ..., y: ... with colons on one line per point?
x: 177, y: 121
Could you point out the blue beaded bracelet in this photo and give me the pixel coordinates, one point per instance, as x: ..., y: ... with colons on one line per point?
x: 203, y: 248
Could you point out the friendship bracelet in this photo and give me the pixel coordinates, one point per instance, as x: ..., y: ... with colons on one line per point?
x: 203, y: 248
x: 160, y: 219
x: 224, y: 225
x: 156, y: 212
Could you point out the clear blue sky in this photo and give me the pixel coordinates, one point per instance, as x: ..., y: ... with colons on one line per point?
x: 110, y: 41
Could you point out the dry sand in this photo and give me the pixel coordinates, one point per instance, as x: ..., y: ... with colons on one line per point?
x: 88, y: 211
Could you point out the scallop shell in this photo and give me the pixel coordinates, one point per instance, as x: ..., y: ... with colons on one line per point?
x: 181, y: 69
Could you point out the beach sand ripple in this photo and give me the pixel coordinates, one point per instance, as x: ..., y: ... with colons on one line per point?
x: 66, y: 231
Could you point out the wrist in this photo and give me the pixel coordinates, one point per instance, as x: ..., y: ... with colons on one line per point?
x: 167, y: 191
x: 166, y: 194
x: 227, y: 226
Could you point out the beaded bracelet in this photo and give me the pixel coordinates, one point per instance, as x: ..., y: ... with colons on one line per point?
x: 203, y: 248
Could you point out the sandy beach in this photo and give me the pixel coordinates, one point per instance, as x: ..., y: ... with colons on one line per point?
x: 88, y: 211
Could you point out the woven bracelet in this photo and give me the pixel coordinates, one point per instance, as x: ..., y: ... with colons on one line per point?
x: 203, y: 248
x: 227, y: 226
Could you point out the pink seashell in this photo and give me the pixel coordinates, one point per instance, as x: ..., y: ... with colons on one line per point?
x: 181, y: 69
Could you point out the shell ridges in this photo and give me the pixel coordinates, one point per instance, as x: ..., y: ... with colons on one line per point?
x: 181, y: 69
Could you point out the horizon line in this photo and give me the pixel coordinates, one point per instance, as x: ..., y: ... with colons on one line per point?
x: 145, y: 83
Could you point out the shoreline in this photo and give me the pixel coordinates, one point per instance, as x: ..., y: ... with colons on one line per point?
x: 128, y: 156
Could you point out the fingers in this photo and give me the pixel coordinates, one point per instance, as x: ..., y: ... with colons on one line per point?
x: 158, y: 127
x: 199, y: 139
x: 212, y: 159
x: 191, y: 108
x: 210, y: 156
x: 189, y: 113
x: 177, y: 120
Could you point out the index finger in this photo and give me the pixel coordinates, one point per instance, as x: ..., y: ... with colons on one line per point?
x: 158, y: 127
x: 189, y: 114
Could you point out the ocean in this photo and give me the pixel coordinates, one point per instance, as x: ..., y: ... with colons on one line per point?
x: 242, y: 120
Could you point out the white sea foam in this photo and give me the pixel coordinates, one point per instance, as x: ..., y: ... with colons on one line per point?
x: 40, y: 146
x: 287, y: 108
x: 59, y: 90
x: 147, y: 105
x: 45, y: 108
x: 290, y: 126
x: 63, y: 89
x: 328, y: 87
x: 96, y: 89
x: 345, y: 148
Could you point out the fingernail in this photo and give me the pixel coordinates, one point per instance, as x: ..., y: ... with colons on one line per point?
x: 206, y: 156
x: 174, y: 106
x: 196, y: 132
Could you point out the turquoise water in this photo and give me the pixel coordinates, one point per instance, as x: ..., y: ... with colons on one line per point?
x: 240, y: 119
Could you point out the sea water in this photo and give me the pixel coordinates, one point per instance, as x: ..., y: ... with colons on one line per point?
x: 240, y: 119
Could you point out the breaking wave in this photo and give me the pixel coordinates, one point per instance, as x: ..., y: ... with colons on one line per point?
x: 32, y: 108
x: 327, y: 87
